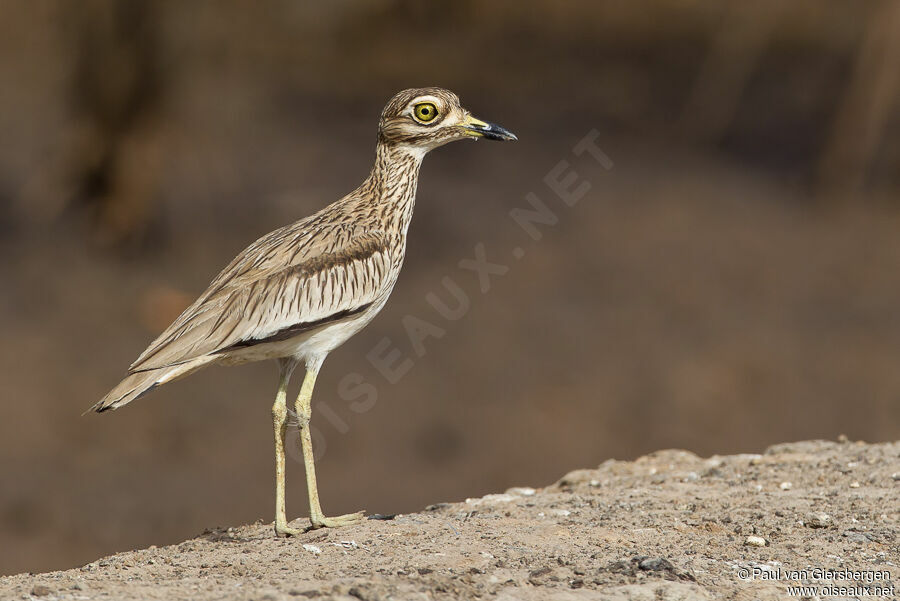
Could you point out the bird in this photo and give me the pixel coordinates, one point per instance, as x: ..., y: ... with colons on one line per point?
x: 299, y: 292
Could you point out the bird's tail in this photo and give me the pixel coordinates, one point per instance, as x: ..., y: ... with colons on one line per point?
x: 140, y: 383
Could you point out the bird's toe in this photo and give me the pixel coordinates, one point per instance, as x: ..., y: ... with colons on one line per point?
x: 338, y: 521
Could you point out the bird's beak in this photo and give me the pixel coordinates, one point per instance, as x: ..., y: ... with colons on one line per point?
x: 482, y: 129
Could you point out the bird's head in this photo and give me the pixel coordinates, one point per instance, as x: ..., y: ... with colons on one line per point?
x: 425, y: 118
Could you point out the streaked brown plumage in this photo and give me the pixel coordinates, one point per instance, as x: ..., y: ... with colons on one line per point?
x: 299, y: 292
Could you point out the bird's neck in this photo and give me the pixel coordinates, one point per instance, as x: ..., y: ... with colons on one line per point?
x: 393, y: 182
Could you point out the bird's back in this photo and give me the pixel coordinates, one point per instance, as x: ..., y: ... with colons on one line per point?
x: 317, y: 269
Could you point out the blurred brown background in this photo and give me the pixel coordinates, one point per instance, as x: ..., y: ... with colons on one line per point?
x: 733, y: 281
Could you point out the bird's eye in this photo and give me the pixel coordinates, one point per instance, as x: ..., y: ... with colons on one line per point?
x: 425, y: 112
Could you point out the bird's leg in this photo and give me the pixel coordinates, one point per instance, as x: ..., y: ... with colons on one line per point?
x: 279, y: 420
x: 304, y: 413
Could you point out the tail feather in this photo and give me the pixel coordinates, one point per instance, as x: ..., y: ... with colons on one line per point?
x: 140, y: 383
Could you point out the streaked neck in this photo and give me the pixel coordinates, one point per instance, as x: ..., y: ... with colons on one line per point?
x: 393, y: 181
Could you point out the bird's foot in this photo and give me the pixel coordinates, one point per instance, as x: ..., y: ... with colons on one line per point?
x: 283, y: 530
x: 321, y: 521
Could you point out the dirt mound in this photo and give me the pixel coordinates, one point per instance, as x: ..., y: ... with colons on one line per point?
x: 670, y: 525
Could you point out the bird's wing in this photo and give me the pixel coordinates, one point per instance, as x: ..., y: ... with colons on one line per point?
x: 288, y: 282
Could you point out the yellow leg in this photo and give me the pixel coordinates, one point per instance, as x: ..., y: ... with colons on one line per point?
x: 304, y: 413
x: 279, y: 420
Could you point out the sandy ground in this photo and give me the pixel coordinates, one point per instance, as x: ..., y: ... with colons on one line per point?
x: 669, y: 525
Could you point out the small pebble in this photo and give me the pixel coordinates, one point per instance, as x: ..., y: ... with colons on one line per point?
x: 656, y: 564
x: 896, y: 476
x: 854, y: 485
x: 857, y: 537
x: 785, y: 486
x: 818, y: 519
x: 490, y: 499
x: 40, y: 590
x: 755, y: 541
x: 312, y: 549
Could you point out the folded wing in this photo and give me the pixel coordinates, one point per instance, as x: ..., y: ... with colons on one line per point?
x: 287, y: 282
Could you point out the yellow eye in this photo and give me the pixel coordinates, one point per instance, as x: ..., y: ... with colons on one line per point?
x: 425, y: 112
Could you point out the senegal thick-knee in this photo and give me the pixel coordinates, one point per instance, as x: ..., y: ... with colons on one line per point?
x: 299, y: 292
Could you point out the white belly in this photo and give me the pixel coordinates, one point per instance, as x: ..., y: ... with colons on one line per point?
x: 308, y: 346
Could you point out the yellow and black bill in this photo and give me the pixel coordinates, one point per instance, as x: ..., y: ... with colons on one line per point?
x: 482, y: 129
